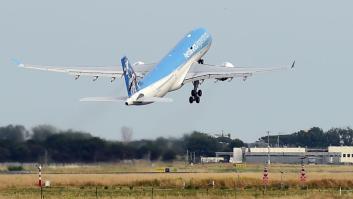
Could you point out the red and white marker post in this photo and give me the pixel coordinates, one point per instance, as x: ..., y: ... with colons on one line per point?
x: 39, y: 166
x: 39, y: 175
x: 265, y: 177
x: 302, y: 175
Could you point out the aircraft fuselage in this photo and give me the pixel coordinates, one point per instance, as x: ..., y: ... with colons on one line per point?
x: 169, y: 74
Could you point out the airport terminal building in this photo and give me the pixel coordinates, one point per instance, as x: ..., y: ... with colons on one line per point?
x: 287, y: 155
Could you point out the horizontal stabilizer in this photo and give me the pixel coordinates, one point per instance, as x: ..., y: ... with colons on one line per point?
x: 155, y: 99
x: 103, y: 99
x: 17, y: 62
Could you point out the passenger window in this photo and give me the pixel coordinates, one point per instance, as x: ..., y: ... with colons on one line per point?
x: 344, y: 155
x: 348, y: 155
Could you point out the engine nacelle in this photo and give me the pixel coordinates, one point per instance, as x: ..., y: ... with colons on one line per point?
x: 138, y: 63
x: 222, y: 79
x: 228, y: 64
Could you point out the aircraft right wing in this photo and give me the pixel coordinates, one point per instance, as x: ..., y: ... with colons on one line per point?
x: 200, y: 72
x: 94, y: 71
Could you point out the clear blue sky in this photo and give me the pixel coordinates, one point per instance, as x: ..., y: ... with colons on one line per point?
x: 317, y: 34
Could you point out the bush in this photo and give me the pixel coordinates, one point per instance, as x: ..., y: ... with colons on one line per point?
x: 15, y: 168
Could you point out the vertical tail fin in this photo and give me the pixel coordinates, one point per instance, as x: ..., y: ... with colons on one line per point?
x: 130, y: 76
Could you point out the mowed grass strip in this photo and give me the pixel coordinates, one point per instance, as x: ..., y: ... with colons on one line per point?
x: 115, y: 192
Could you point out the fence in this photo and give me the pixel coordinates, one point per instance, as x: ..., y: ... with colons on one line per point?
x: 96, y: 192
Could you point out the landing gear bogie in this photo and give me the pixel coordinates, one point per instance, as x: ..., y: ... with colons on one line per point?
x: 195, y: 93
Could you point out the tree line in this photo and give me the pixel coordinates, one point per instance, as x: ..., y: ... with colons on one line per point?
x: 48, y: 144
x: 313, y: 138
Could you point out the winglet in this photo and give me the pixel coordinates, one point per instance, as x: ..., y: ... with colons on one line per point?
x: 293, y: 64
x: 17, y: 62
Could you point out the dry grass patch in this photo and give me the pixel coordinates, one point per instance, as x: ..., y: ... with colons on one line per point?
x: 179, y: 180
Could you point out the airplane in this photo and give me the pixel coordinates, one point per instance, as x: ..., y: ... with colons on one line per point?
x: 149, y: 83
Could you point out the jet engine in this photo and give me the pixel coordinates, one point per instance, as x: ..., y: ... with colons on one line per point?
x: 138, y: 63
x: 228, y: 65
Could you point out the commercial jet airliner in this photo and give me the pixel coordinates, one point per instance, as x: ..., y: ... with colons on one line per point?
x: 149, y: 83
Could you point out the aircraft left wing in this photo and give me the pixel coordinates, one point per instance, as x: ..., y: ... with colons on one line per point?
x: 93, y: 71
x: 227, y: 71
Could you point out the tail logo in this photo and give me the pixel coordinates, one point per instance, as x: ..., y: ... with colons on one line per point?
x: 130, y: 77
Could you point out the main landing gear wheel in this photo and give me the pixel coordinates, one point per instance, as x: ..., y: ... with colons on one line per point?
x: 197, y: 99
x: 191, y: 100
x: 199, y: 93
x: 193, y: 93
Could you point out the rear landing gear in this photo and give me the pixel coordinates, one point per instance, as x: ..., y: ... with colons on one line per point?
x: 195, y: 94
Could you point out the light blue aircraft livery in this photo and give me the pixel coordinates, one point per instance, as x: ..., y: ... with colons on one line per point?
x: 149, y: 83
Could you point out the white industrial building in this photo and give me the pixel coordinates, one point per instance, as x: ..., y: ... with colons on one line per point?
x: 346, y: 153
x: 331, y: 155
x: 237, y: 155
x: 212, y: 159
x: 277, y: 150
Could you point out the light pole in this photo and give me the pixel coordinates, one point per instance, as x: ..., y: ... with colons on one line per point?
x: 268, y: 148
